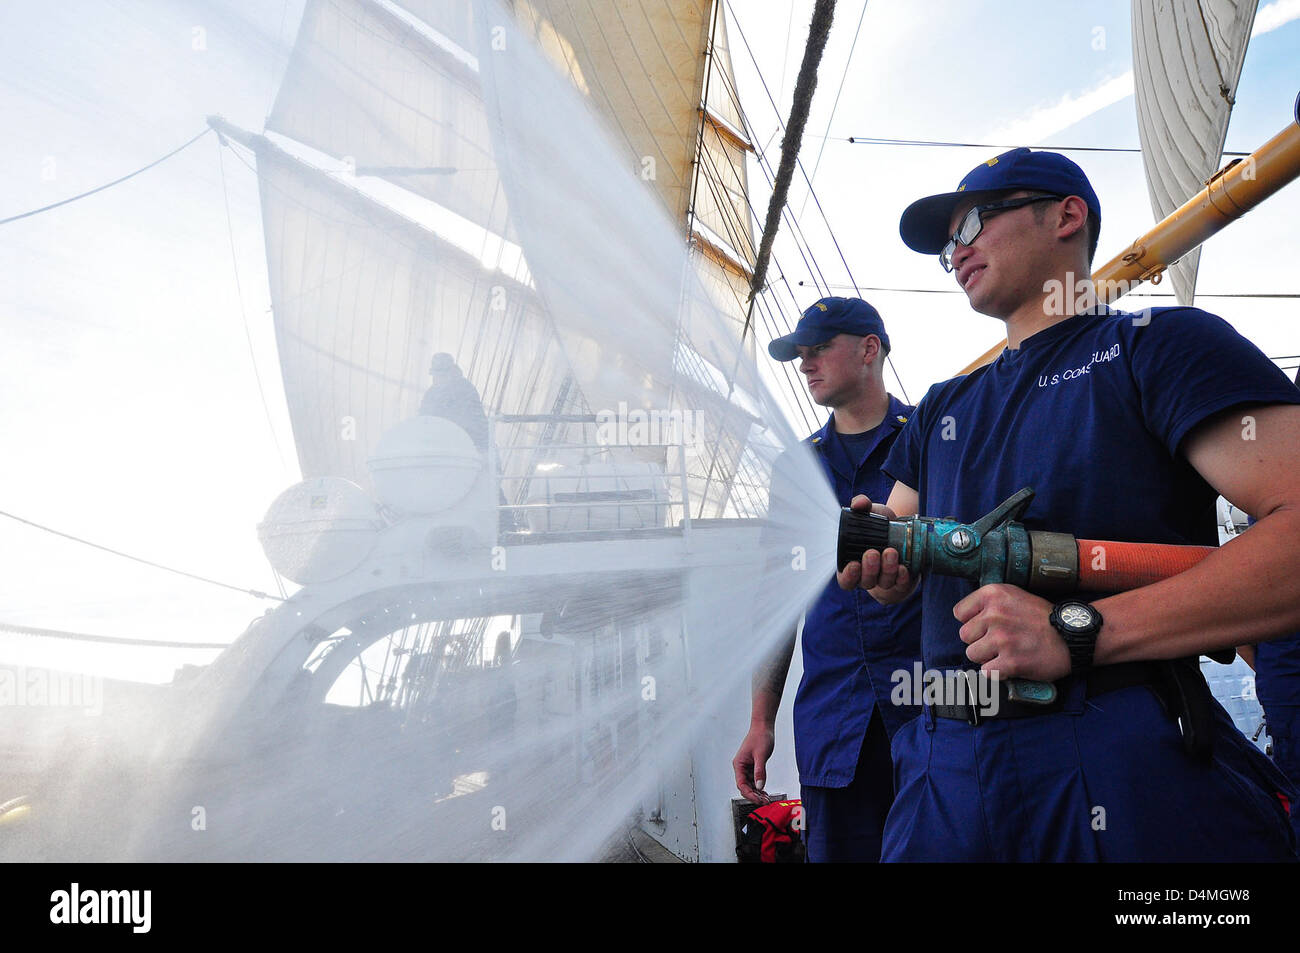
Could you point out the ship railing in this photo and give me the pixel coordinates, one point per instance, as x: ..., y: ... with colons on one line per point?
x: 585, y: 486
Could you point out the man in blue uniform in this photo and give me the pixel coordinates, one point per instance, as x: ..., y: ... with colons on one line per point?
x: 1127, y: 425
x: 1277, y: 685
x: 852, y: 646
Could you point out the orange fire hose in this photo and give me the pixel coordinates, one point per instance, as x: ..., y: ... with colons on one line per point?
x: 1117, y: 567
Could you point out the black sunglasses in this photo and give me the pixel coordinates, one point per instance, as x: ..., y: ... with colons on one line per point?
x: 972, y: 223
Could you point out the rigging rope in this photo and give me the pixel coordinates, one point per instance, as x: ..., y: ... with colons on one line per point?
x: 836, y: 105
x: 813, y: 194
x: 107, y: 185
x: 805, y: 85
x: 239, y: 294
x: 707, y: 163
x: 180, y: 572
x: 12, y: 629
x: 763, y: 163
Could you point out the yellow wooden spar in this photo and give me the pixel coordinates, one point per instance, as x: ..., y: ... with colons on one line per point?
x: 1230, y: 193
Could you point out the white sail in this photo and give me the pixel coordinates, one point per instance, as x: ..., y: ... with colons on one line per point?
x: 364, y: 296
x: 363, y: 85
x: 1187, y: 59
x: 398, y: 91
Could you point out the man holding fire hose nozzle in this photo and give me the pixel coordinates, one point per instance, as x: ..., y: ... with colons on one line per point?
x: 1127, y: 426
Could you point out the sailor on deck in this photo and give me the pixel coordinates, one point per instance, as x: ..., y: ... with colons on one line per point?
x: 1126, y: 425
x: 454, y: 398
x: 852, y: 646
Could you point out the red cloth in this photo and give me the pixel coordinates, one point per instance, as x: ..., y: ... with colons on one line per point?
x: 782, y: 822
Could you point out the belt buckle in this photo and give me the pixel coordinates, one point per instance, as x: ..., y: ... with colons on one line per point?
x: 972, y: 699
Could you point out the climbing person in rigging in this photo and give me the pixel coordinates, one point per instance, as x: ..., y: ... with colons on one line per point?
x: 843, y: 715
x: 1127, y: 426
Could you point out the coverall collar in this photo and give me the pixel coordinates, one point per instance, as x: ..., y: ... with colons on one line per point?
x: 829, y: 444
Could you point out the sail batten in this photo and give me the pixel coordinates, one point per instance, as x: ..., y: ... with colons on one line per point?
x: 724, y: 129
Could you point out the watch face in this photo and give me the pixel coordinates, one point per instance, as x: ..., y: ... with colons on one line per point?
x: 1075, y: 616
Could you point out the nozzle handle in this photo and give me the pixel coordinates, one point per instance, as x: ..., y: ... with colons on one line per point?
x: 860, y: 531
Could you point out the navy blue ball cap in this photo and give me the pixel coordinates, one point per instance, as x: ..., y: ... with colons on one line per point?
x: 926, y: 226
x: 826, y: 318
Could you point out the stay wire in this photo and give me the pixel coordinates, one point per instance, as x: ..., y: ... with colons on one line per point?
x: 106, y: 185
x: 760, y: 303
x: 769, y: 175
x: 812, y: 193
x: 804, y: 89
x: 877, y: 141
x: 1132, y: 294
x: 116, y: 552
x: 239, y: 294
x: 835, y: 105
x: 765, y: 165
x: 800, y: 395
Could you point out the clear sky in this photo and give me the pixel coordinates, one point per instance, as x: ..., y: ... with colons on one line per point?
x: 129, y: 401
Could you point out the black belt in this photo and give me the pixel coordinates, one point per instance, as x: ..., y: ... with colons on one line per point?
x: 1178, y: 684
x: 1107, y: 678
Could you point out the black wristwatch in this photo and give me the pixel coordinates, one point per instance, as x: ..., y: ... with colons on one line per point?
x: 1079, y: 623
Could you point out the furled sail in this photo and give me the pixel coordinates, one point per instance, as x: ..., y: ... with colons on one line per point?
x: 661, y: 76
x: 642, y: 67
x: 1187, y: 59
x: 722, y: 190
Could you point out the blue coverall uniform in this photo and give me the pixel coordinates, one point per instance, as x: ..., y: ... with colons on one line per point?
x: 852, y: 646
x: 1092, y: 413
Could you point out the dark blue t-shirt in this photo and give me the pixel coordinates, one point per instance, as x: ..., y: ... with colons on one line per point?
x: 859, y: 445
x: 1091, y: 413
